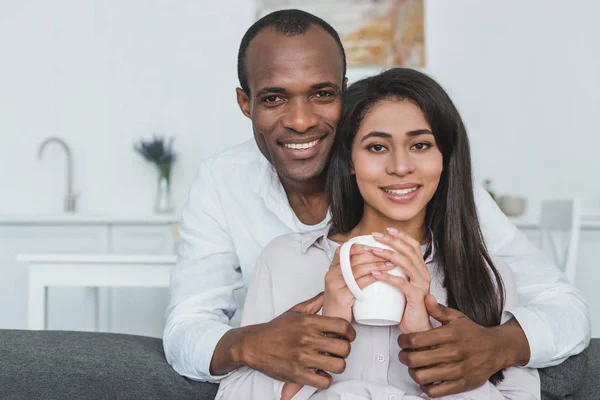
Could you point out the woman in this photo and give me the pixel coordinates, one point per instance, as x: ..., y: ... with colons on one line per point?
x: 400, y: 170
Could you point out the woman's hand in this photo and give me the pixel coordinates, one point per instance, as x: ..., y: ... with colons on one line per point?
x: 290, y: 390
x: 337, y: 299
x: 409, y: 258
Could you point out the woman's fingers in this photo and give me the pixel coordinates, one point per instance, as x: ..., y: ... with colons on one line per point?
x: 396, y: 281
x: 411, y: 248
x: 401, y: 261
x: 366, y: 269
x: 363, y: 263
x: 408, y: 248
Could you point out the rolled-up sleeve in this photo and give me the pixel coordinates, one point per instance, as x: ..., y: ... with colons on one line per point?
x: 551, y: 312
x: 202, y: 283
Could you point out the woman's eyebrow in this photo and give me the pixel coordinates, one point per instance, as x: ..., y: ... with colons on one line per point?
x: 380, y: 134
x: 418, y: 132
x: 375, y: 134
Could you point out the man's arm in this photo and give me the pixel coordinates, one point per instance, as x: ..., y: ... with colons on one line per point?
x: 550, y: 311
x: 287, y: 348
x: 551, y: 320
x: 462, y: 355
x: 202, y: 283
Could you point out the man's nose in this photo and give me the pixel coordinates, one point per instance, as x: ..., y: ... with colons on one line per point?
x: 300, y: 116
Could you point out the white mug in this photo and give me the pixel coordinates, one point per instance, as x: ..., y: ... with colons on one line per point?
x: 379, y: 304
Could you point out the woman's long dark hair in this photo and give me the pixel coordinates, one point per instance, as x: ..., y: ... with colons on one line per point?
x: 472, y: 283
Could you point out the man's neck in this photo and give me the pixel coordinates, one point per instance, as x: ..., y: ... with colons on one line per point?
x: 307, y: 199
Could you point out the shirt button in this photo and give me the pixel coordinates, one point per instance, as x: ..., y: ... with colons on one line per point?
x: 381, y: 358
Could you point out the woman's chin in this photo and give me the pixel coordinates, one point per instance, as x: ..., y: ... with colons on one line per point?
x: 403, y: 216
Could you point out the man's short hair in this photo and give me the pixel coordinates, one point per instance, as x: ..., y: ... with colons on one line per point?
x: 286, y: 22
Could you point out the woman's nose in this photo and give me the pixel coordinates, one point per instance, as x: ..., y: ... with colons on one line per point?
x: 401, y: 163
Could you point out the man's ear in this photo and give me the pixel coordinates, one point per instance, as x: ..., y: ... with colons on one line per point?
x: 345, y: 84
x: 243, y: 101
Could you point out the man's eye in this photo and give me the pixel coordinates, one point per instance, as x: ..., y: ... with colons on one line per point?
x: 271, y: 99
x: 421, y: 146
x: 323, y: 93
x: 377, y: 148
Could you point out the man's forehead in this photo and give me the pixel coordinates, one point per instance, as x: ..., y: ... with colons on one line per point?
x: 276, y: 60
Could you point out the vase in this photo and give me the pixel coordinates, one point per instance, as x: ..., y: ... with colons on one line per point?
x: 163, y: 203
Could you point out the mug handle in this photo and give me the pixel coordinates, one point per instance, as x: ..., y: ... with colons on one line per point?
x: 347, y: 271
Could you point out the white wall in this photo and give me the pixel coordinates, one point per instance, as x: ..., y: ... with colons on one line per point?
x: 525, y: 75
x: 101, y: 74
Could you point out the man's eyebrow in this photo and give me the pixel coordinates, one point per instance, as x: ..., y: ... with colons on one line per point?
x: 323, y: 85
x: 271, y: 90
x: 379, y: 134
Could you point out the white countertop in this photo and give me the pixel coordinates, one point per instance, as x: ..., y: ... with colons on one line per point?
x: 589, y: 222
x: 86, y: 218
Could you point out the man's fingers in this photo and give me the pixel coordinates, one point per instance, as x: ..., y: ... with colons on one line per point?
x: 420, y: 340
x: 334, y: 365
x: 439, y: 373
x: 337, y: 326
x: 443, y: 314
x: 431, y: 357
x: 310, y: 306
x: 334, y: 346
x: 445, y: 388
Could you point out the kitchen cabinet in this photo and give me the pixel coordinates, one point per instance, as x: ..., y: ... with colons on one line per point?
x: 135, y: 311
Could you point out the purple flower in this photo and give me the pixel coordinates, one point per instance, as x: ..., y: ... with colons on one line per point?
x: 156, y: 151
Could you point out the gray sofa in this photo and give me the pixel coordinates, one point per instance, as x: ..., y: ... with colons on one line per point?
x: 55, y: 365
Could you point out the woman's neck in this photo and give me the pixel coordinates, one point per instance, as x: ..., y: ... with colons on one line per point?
x: 373, y: 221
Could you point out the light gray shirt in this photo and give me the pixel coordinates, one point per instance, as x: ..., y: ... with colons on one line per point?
x: 292, y: 269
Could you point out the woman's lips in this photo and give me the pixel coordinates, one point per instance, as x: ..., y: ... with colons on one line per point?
x: 401, y: 195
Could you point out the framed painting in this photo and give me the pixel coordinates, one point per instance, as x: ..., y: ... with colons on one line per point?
x: 385, y: 33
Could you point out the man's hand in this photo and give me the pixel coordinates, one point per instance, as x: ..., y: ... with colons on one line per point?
x: 460, y: 355
x: 291, y: 347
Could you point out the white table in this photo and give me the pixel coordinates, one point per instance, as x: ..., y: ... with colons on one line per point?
x: 90, y: 271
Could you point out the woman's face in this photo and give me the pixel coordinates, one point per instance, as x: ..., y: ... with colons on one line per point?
x: 396, y: 161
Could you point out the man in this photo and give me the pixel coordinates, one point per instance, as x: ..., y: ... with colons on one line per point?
x: 291, y: 67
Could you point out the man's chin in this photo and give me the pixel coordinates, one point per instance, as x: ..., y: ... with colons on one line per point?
x: 304, y: 175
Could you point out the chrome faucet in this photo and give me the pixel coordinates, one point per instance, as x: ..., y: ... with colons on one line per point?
x: 70, y: 197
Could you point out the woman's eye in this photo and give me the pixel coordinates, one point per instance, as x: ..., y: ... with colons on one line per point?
x: 421, y: 146
x: 377, y: 148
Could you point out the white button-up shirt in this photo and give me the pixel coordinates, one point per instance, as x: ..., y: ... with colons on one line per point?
x: 373, y: 370
x: 237, y: 205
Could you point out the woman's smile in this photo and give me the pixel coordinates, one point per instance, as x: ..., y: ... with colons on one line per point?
x: 401, y: 194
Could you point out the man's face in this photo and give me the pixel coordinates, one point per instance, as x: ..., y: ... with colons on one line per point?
x: 295, y: 99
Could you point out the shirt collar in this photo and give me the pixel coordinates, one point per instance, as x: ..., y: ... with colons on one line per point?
x: 318, y: 238
x: 268, y: 186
